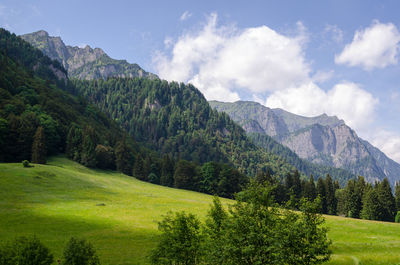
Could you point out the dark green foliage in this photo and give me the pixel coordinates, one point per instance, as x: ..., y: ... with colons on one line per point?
x: 89, y: 143
x: 25, y: 163
x: 185, y: 176
x: 79, y: 251
x: 176, y: 119
x: 39, y: 147
x: 25, y: 251
x: 253, y: 231
x: 386, y: 201
x: 180, y: 241
x: 321, y: 193
x: 124, y: 157
x: 32, y: 98
x: 167, y: 171
x: 397, y: 218
x: 331, y: 201
x: 74, y: 143
x: 397, y: 195
x: 105, y: 158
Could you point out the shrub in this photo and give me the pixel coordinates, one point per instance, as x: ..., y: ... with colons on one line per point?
x: 25, y: 251
x: 78, y: 251
x: 397, y: 218
x: 25, y: 163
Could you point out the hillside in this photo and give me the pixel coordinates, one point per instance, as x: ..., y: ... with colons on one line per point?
x: 176, y: 119
x: 83, y: 63
x: 118, y: 214
x: 33, y: 91
x: 322, y: 140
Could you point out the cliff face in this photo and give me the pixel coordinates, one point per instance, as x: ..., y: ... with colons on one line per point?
x: 84, y: 63
x: 323, y: 139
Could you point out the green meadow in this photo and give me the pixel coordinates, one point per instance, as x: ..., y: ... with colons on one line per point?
x: 118, y: 214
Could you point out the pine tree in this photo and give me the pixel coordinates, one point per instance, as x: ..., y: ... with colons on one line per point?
x: 397, y: 195
x: 89, y: 143
x: 321, y: 192
x: 124, y: 158
x: 73, y: 148
x: 370, y: 210
x: 331, y: 201
x: 310, y: 191
x: 39, y: 147
x: 386, y: 200
x: 167, y: 171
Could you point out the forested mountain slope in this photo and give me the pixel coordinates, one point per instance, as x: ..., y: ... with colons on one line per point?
x: 322, y: 140
x: 176, y: 119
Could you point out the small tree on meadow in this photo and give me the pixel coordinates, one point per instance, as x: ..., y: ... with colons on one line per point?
x: 80, y: 252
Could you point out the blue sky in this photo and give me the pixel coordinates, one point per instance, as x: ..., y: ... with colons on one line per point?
x: 308, y: 57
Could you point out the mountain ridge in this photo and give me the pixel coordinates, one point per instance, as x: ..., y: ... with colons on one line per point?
x: 83, y: 63
x: 323, y: 139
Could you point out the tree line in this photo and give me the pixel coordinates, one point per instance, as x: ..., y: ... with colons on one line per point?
x: 30, y: 251
x: 252, y: 231
x: 357, y: 199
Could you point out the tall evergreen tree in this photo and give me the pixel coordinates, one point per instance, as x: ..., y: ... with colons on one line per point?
x: 89, y: 143
x: 74, y: 143
x: 124, y: 158
x: 310, y: 191
x: 167, y: 171
x: 397, y: 195
x: 331, y: 201
x: 386, y: 200
x: 138, y: 170
x: 321, y: 192
x: 39, y: 147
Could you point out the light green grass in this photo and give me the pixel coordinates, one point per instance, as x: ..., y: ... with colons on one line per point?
x: 61, y: 199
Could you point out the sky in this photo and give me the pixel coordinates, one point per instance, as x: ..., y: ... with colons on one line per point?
x: 307, y: 57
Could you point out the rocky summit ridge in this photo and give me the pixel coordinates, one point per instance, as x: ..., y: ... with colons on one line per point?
x: 84, y: 63
x: 323, y: 139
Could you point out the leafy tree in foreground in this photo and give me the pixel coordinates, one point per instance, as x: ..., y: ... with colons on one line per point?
x: 25, y: 251
x: 79, y: 251
x: 180, y: 240
x: 254, y: 232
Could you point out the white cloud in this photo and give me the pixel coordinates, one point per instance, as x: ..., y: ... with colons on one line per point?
x: 388, y: 142
x: 186, y: 15
x: 374, y: 47
x: 345, y: 100
x: 221, y: 60
x: 227, y: 63
x: 322, y: 76
x: 335, y: 31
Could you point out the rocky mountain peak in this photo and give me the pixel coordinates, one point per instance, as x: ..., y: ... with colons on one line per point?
x: 86, y: 62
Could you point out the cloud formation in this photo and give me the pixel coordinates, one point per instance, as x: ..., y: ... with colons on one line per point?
x: 223, y: 60
x: 388, y: 142
x: 228, y: 64
x: 374, y: 47
x: 186, y: 15
x: 345, y: 100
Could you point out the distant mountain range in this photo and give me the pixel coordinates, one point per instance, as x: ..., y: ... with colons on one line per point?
x: 83, y: 63
x: 323, y: 140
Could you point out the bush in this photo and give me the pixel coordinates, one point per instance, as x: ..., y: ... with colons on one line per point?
x: 25, y: 251
x: 78, y: 251
x: 25, y: 163
x: 397, y: 218
x: 180, y: 240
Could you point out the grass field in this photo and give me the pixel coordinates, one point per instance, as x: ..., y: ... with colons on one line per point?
x: 118, y: 214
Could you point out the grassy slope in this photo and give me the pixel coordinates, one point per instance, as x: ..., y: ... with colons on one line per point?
x: 60, y: 200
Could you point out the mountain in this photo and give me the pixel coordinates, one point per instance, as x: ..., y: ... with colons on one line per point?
x: 83, y: 63
x: 176, y: 119
x: 323, y: 140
